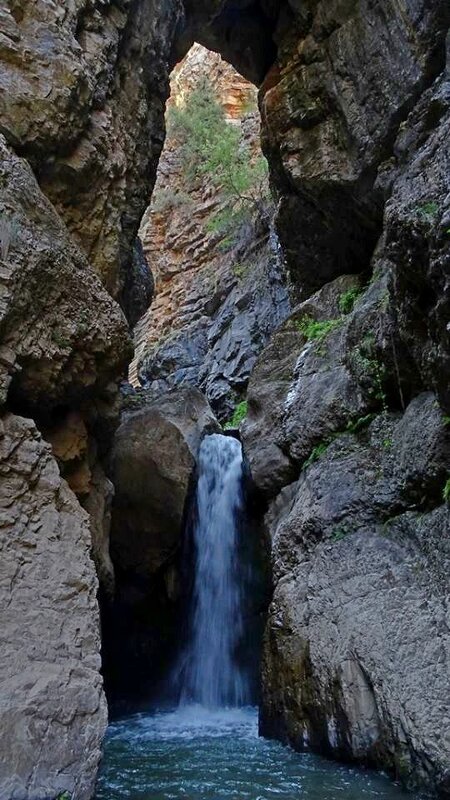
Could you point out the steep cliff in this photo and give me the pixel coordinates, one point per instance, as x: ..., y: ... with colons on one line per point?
x: 82, y: 93
x: 347, y: 429
x: 347, y: 432
x: 219, y: 292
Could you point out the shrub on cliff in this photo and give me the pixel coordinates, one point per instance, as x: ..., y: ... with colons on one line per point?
x: 213, y: 148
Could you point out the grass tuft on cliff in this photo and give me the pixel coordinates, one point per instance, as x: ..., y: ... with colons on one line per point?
x: 239, y: 414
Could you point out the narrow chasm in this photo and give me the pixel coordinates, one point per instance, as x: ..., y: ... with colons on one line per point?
x: 265, y: 448
x: 225, y: 404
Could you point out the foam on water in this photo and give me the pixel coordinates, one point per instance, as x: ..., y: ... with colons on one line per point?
x: 193, y: 753
x: 209, y: 747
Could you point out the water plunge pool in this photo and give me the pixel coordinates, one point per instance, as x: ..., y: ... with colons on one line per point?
x: 196, y: 754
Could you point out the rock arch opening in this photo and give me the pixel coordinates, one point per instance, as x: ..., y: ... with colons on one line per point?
x: 346, y: 435
x: 209, y: 236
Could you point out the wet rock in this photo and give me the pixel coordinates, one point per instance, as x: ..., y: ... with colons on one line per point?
x: 361, y: 577
x: 139, y: 286
x: 152, y: 462
x: 52, y: 694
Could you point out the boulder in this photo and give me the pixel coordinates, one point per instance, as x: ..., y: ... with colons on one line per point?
x: 152, y: 462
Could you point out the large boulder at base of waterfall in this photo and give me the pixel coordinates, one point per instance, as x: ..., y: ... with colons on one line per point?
x: 152, y: 462
x: 52, y: 708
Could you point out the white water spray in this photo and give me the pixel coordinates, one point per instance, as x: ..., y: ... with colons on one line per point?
x: 211, y: 675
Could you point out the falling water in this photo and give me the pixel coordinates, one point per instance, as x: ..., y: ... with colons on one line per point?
x: 211, y: 675
x: 208, y: 748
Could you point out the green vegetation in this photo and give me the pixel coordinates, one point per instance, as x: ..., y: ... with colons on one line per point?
x: 60, y: 339
x: 366, y: 361
x: 8, y: 231
x: 166, y: 199
x: 446, y: 491
x: 240, y: 270
x: 339, y: 534
x: 354, y: 426
x: 313, y: 330
x: 348, y: 299
x: 239, y: 414
x: 214, y: 149
x: 428, y: 211
x: 315, y: 454
x: 64, y: 796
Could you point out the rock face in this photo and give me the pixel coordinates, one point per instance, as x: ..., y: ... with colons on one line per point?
x: 216, y: 303
x: 83, y: 100
x: 346, y: 433
x: 62, y: 335
x: 357, y: 650
x: 82, y: 92
x: 349, y: 399
x: 153, y: 463
x: 346, y: 78
x: 53, y: 710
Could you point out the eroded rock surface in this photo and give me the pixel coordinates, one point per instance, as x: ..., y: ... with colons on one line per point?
x: 351, y: 403
x: 53, y: 710
x: 357, y: 650
x: 63, y: 337
x: 219, y: 294
x: 346, y: 77
x: 152, y: 461
x: 83, y: 99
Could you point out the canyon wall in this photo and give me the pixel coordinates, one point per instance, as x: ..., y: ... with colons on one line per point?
x: 82, y: 94
x: 347, y: 428
x: 218, y: 293
x: 347, y: 431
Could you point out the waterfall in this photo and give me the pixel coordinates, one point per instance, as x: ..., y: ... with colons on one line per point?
x: 211, y: 675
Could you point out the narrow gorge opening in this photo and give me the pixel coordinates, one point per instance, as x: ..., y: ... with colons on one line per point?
x: 311, y: 337
x: 219, y: 292
x: 209, y: 235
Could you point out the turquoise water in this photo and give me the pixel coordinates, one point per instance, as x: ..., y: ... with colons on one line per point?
x: 196, y: 754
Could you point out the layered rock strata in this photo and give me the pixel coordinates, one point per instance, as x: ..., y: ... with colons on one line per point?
x: 219, y: 294
x: 347, y: 432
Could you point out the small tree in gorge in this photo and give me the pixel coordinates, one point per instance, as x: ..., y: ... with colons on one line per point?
x: 213, y: 148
